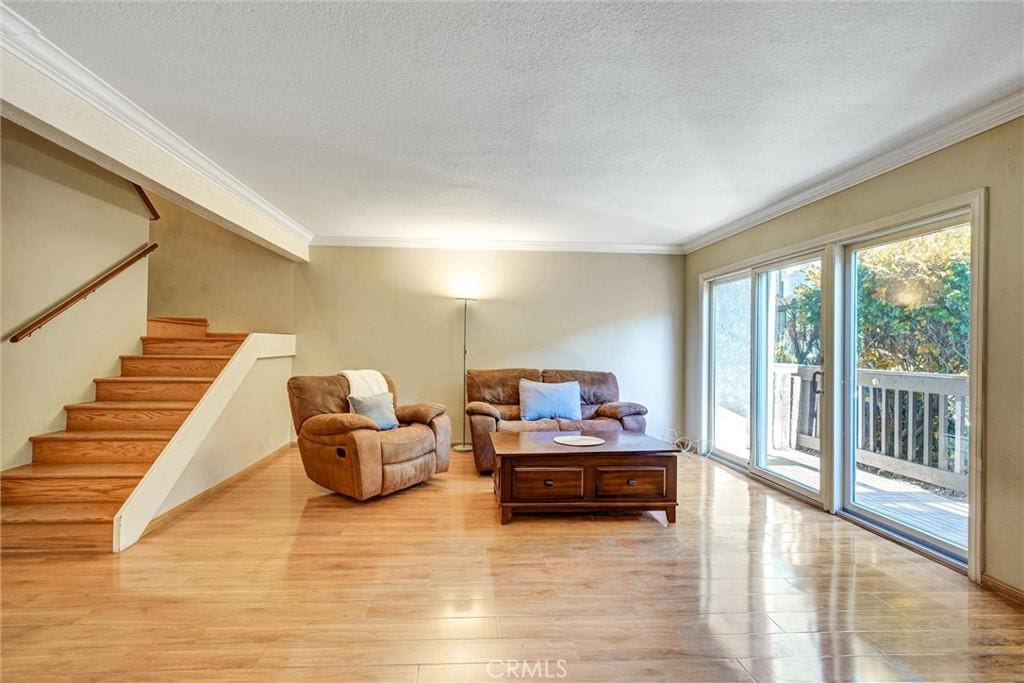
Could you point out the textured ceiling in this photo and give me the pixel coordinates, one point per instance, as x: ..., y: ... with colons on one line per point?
x: 596, y: 123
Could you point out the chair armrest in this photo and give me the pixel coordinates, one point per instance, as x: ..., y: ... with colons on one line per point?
x: 621, y: 409
x: 423, y: 413
x: 329, y: 424
x: 481, y: 408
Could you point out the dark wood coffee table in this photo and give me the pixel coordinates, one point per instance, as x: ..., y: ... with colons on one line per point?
x: 629, y: 471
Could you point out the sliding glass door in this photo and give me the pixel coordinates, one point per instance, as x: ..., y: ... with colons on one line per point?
x: 892, y: 438
x: 729, y: 369
x: 908, y: 351
x: 788, y: 373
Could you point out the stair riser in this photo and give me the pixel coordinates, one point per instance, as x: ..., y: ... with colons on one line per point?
x: 165, y: 328
x: 185, y: 347
x: 81, y: 452
x: 58, y: 513
x: 234, y: 336
x: 154, y: 366
x: 150, y: 391
x: 68, y: 498
x: 50, y: 536
x: 95, y: 419
x: 67, y: 490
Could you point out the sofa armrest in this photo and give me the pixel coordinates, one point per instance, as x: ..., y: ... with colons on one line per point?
x: 481, y: 408
x: 423, y: 413
x: 480, y: 428
x: 331, y: 424
x: 621, y: 409
x: 442, y: 427
x: 349, y: 462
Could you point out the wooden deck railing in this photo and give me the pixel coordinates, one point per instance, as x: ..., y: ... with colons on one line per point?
x: 912, y: 424
x: 84, y: 291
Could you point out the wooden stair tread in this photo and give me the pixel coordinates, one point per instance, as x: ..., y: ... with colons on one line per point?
x: 153, y: 378
x: 99, y: 470
x: 109, y: 435
x: 64, y: 513
x: 132, y: 405
x: 67, y: 499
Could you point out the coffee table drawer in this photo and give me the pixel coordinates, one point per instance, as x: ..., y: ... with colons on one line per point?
x: 547, y: 483
x: 630, y: 482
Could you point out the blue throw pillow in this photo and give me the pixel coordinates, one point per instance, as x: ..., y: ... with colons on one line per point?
x: 539, y: 400
x: 379, y: 408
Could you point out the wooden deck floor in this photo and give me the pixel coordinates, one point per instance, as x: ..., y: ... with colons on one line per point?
x: 273, y: 579
x: 940, y: 516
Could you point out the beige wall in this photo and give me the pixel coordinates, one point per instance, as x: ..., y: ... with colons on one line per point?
x: 64, y: 220
x: 393, y: 309
x: 203, y: 270
x: 994, y: 159
x: 255, y: 422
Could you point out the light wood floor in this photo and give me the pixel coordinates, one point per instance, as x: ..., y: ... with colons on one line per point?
x: 272, y: 579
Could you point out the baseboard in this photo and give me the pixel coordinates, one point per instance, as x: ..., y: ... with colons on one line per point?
x: 162, y: 519
x: 1003, y: 588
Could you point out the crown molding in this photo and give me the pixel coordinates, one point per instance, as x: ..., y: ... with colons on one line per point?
x: 26, y: 42
x: 990, y: 116
x: 493, y: 245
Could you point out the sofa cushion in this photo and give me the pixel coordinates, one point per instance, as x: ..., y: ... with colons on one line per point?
x: 539, y: 400
x: 406, y: 443
x: 379, y: 408
x: 598, y: 424
x: 530, y: 426
x: 595, y: 387
x: 498, y: 386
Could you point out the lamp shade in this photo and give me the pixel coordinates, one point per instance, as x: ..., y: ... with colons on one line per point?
x: 466, y: 287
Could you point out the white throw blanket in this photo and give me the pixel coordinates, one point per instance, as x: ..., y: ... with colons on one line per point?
x: 365, y: 382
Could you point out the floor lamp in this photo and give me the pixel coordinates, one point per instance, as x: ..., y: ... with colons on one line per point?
x: 464, y: 446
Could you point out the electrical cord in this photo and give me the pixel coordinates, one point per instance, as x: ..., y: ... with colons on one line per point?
x: 689, y: 444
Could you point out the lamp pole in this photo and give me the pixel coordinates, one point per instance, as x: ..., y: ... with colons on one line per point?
x: 464, y: 446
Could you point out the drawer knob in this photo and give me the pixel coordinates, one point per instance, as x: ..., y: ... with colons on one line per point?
x: 631, y: 482
x: 549, y: 483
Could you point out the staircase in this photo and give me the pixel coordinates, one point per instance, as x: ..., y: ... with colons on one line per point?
x: 79, y: 478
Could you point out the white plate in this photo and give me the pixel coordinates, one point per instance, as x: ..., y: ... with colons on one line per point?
x: 579, y: 440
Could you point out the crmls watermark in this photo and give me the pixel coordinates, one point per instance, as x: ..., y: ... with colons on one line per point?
x: 522, y: 668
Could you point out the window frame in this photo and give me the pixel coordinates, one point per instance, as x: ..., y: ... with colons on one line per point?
x: 847, y: 481
x: 833, y: 247
x: 759, y: 386
x: 707, y: 423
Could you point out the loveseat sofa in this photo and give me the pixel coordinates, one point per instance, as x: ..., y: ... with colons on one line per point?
x: 493, y: 405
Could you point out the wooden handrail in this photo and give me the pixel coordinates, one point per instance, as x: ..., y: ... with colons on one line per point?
x: 154, y: 215
x: 85, y: 290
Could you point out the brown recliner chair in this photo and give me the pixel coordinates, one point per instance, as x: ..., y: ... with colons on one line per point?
x: 493, y: 397
x: 345, y: 452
